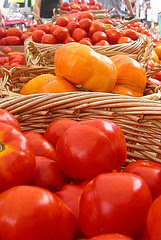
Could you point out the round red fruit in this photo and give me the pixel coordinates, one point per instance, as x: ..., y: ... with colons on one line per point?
x: 85, y: 24
x: 62, y: 21
x: 79, y: 34
x: 48, y: 39
x: 102, y: 43
x: 72, y: 26
x: 43, y: 27
x: 98, y: 36
x: 61, y: 34
x: 131, y: 34
x: 85, y: 14
x: 97, y: 26
x: 113, y: 35
x: 86, y: 41
x: 37, y: 35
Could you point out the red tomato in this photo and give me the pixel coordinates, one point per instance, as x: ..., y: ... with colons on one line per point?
x: 47, y: 174
x: 157, y: 76
x: 6, y: 117
x: 14, y: 32
x: 72, y: 26
x: 31, y: 29
x: 84, y: 7
x: 150, y: 172
x: 3, y: 42
x: 62, y: 21
x: 124, y: 40
x: 86, y: 41
x: 114, y: 203
x: 37, y: 35
x: 7, y: 50
x: 113, y: 35
x: 131, y: 34
x: 52, y: 29
x: 71, y: 194
x: 154, y: 220
x: 23, y: 38
x: 68, y: 40
x: 17, y: 159
x: 13, y: 40
x: 86, y: 149
x: 102, y: 43
x: 61, y: 34
x: 2, y: 32
x: 97, y: 26
x: 67, y: 8
x: 85, y: 14
x: 44, y: 27
x: 16, y: 58
x: 112, y: 236
x: 48, y: 39
x: 85, y: 24
x: 98, y: 36
x: 79, y: 34
x: 99, y: 5
x: 57, y: 128
x: 34, y: 214
x: 108, y: 26
x: 40, y: 145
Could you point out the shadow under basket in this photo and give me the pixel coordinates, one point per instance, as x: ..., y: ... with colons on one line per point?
x: 139, y: 118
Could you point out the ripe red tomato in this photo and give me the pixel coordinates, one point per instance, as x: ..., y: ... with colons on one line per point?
x: 17, y: 159
x: 72, y: 26
x: 44, y: 27
x: 48, y: 39
x: 6, y: 117
x: 14, y: 32
x: 61, y: 34
x: 37, y: 35
x: 86, y: 149
x: 114, y: 203
x: 71, y: 194
x: 52, y: 29
x: 112, y: 236
x: 86, y: 41
x: 102, y: 43
x: 131, y: 34
x: 13, y: 40
x: 97, y: 26
x: 23, y: 38
x: 85, y: 24
x: 31, y: 29
x: 99, y: 5
x: 34, y: 214
x: 68, y: 40
x: 150, y: 172
x: 40, y: 145
x: 85, y: 14
x: 3, y: 42
x: 154, y: 220
x: 16, y: 58
x: 79, y: 34
x: 62, y: 21
x: 113, y: 35
x: 57, y: 128
x: 7, y: 50
x: 47, y: 174
x: 98, y: 36
x: 84, y: 7
x: 2, y: 32
x: 124, y: 40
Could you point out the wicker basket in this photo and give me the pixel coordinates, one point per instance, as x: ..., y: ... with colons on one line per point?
x: 139, y: 118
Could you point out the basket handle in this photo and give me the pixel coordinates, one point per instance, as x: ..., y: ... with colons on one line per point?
x: 38, y: 19
x: 153, y: 70
x: 123, y: 25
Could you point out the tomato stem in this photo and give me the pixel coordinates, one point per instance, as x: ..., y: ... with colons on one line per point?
x: 2, y: 147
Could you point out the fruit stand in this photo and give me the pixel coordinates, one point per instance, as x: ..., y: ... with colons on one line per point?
x: 80, y: 129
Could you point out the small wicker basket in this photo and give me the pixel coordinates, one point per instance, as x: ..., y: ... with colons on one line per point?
x: 139, y: 118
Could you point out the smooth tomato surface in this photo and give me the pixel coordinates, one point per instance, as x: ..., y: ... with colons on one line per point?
x: 34, y: 213
x: 17, y: 158
x: 8, y: 118
x: 114, y: 203
x: 113, y: 236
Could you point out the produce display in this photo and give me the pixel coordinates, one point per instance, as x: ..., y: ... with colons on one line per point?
x: 81, y: 5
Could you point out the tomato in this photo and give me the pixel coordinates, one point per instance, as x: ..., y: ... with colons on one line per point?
x: 61, y: 34
x: 85, y: 24
x: 108, y: 26
x: 62, y: 21
x: 99, y: 5
x: 52, y: 29
x: 85, y: 14
x: 31, y: 29
x: 113, y: 236
x: 102, y: 43
x: 37, y: 35
x: 71, y: 194
x: 131, y: 34
x: 67, y: 8
x: 40, y: 145
x: 86, y: 149
x: 98, y: 36
x: 157, y: 76
x: 6, y: 117
x: 75, y: 6
x: 84, y: 7
x: 13, y: 40
x: 34, y: 214
x: 57, y: 128
x: 97, y: 26
x: 79, y: 34
x: 86, y: 41
x: 14, y: 32
x: 68, y: 40
x: 44, y: 27
x: 48, y: 39
x: 23, y: 38
x: 124, y: 40
x: 16, y: 58
x: 17, y: 159
x: 3, y: 42
x: 114, y: 203
x: 2, y: 32
x: 113, y: 35
x: 154, y: 220
x: 47, y: 174
x: 150, y: 172
x: 72, y: 26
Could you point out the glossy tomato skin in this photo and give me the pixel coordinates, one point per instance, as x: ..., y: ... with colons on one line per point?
x: 79, y: 34
x: 154, y: 220
x: 17, y: 158
x: 89, y: 148
x: 114, y: 203
x: 150, y: 172
x: 37, y: 35
x: 43, y: 27
x: 112, y: 236
x: 57, y: 128
x: 8, y: 118
x: 48, y: 39
x: 113, y: 35
x: 97, y: 26
x: 98, y: 36
x: 34, y: 214
x: 47, y: 174
x: 40, y: 145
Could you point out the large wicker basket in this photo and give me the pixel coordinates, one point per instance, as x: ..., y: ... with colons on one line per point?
x: 139, y: 118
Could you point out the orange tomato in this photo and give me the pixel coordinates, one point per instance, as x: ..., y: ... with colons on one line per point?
x: 158, y: 51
